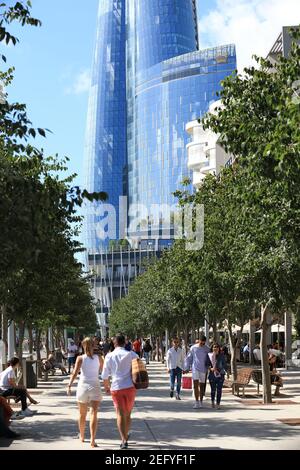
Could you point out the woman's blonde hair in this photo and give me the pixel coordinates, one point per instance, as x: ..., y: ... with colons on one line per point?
x: 88, y: 346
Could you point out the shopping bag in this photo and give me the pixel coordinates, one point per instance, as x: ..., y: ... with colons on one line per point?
x: 139, y: 374
x: 187, y: 382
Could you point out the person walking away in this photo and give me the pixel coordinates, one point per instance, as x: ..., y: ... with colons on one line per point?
x: 175, y: 365
x: 117, y: 365
x: 217, y: 368
x: 128, y: 345
x: 197, y: 361
x: 106, y: 346
x: 72, y: 350
x: 88, y: 390
x: 147, y: 350
x: 137, y: 346
x: 246, y: 352
x: 8, y: 387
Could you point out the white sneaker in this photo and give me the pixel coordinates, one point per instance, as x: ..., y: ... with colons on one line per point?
x: 27, y: 412
x: 200, y: 404
x: 196, y: 405
x: 17, y: 416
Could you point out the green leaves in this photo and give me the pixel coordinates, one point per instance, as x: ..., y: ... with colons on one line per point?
x: 41, y: 281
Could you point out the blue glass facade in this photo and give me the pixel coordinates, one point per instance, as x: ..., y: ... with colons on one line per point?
x: 105, y: 152
x: 147, y: 84
x: 162, y: 29
x: 167, y: 96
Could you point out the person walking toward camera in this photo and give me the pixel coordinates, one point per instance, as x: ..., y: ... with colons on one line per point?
x: 117, y: 365
x: 147, y: 348
x: 217, y: 369
x: 197, y: 360
x: 175, y: 365
x: 88, y: 390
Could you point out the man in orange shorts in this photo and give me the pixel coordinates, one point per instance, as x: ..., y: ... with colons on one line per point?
x: 117, y: 365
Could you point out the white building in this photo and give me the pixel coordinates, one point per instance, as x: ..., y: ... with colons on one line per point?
x: 205, y: 154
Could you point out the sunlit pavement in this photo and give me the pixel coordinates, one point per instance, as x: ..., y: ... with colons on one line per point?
x: 160, y: 422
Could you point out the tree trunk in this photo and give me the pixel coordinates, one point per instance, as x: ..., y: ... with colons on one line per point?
x: 38, y: 351
x: 266, y: 379
x: 4, y: 324
x: 193, y: 335
x: 186, y: 339
x: 21, y: 328
x: 232, y: 342
x: 216, y: 334
x: 157, y: 348
x: 47, y: 343
x: 30, y: 339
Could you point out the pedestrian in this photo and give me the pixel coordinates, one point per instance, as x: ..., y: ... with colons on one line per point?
x: 106, y: 346
x: 197, y: 360
x: 6, y: 414
x: 175, y: 365
x: 147, y: 350
x: 8, y: 387
x: 71, y: 351
x: 88, y: 392
x: 96, y: 346
x: 128, y: 345
x: 117, y: 365
x: 137, y: 346
x: 217, y: 369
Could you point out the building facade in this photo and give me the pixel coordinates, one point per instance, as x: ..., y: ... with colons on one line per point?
x: 204, y: 152
x: 106, y: 148
x: 149, y: 80
x: 112, y: 273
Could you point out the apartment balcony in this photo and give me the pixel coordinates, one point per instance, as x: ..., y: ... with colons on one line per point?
x: 197, y: 155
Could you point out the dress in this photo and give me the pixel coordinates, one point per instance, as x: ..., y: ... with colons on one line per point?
x: 88, y: 388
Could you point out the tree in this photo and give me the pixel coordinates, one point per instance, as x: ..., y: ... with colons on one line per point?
x: 38, y: 215
x: 259, y: 124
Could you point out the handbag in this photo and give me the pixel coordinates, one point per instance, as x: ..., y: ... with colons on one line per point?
x: 187, y: 382
x: 139, y: 374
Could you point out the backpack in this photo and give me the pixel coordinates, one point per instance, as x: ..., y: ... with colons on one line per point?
x: 139, y: 374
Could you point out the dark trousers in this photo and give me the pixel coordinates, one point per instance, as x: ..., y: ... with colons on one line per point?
x: 18, y: 393
x: 176, y: 373
x: 216, y: 385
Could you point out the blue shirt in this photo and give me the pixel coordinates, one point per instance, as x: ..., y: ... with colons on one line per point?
x: 197, y: 358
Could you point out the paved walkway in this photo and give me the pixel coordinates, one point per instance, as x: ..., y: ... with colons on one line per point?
x: 160, y: 422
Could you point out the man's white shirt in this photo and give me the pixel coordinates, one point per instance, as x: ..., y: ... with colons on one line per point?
x: 175, y: 358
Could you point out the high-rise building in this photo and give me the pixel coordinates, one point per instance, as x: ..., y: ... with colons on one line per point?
x: 105, y: 151
x: 149, y: 80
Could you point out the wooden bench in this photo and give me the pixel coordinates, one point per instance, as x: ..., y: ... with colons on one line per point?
x: 243, y: 378
x: 276, y: 380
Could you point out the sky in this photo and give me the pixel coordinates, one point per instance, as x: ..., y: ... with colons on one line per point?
x: 53, y: 63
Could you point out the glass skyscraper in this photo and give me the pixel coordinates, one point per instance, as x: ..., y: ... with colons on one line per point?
x: 149, y: 80
x: 105, y: 150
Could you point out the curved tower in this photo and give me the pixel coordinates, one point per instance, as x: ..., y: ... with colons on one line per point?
x: 105, y: 148
x: 163, y: 29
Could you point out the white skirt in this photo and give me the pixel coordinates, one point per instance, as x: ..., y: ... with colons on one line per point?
x: 86, y: 393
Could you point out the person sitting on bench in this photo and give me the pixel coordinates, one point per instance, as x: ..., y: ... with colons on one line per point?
x: 8, y: 387
x: 54, y: 364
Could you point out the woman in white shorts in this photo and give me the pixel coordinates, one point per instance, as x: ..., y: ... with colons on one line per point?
x: 88, y: 390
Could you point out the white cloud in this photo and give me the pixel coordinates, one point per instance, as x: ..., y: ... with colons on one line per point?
x: 81, y: 83
x: 252, y: 25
